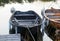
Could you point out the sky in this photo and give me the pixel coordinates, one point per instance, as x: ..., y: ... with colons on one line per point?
x: 5, y: 13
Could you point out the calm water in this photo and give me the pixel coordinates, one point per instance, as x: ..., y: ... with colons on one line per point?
x: 5, y: 14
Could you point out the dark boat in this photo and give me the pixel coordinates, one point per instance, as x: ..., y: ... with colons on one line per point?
x: 52, y: 23
x: 28, y: 24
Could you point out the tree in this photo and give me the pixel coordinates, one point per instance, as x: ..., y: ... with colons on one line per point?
x: 30, y: 1
x: 2, y: 2
x: 48, y: 0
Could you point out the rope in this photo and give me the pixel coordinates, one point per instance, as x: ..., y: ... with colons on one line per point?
x: 31, y: 34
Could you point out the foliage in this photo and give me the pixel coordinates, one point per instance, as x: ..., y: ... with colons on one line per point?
x: 48, y: 0
x: 30, y: 1
x: 2, y: 2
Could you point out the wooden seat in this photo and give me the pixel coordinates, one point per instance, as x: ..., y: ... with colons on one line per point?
x: 54, y: 16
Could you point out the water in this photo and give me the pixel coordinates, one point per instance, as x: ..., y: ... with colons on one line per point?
x: 5, y: 14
